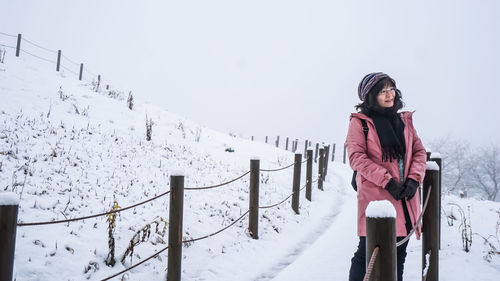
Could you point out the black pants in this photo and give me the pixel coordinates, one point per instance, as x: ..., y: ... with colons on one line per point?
x: 358, y: 262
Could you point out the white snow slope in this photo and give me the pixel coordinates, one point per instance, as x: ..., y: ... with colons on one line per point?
x: 68, y: 151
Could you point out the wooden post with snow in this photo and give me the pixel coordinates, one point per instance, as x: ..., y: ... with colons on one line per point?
x: 278, y: 141
x: 327, y: 156
x: 266, y: 139
x: 316, y: 153
x: 9, y: 204
x: 175, y: 228
x: 296, y: 182
x: 18, y: 46
x: 321, y: 175
x: 58, y: 65
x: 286, y: 146
x: 381, y: 232
x: 333, y: 153
x: 305, y: 147
x: 253, y: 216
x: 436, y: 157
x: 309, y: 166
x: 430, y: 224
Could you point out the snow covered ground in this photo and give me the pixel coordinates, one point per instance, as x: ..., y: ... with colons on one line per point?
x: 68, y: 151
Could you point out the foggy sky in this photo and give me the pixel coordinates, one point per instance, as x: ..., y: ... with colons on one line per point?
x: 288, y: 68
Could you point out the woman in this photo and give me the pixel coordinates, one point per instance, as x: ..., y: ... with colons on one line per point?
x: 390, y: 162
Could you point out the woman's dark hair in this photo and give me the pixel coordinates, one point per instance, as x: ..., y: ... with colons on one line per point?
x: 370, y: 104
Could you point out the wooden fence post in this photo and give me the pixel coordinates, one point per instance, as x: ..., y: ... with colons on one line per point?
x: 327, y: 156
x: 309, y: 174
x: 81, y: 72
x: 296, y: 182
x: 9, y: 204
x: 333, y: 153
x: 252, y: 138
x: 278, y: 141
x: 175, y: 228
x: 381, y: 232
x: 430, y: 223
x: 305, y: 147
x: 266, y: 139
x: 320, y: 168
x: 316, y: 153
x: 18, y: 46
x: 345, y: 153
x: 428, y: 153
x: 286, y: 146
x: 253, y: 217
x: 58, y: 60
x: 436, y: 157
x: 98, y: 83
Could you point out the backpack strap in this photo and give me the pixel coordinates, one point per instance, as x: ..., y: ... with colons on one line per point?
x: 365, y: 128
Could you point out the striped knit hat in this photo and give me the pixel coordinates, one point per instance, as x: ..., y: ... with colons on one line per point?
x: 368, y: 82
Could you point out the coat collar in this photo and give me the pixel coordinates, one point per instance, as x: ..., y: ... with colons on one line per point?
x: 405, y: 116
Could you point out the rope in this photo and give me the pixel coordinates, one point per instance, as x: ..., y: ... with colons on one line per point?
x: 69, y: 70
x: 47, y: 60
x: 65, y: 57
x: 214, y: 186
x: 36, y: 45
x: 279, y: 169
x: 185, y: 241
x: 8, y: 34
x: 418, y: 221
x: 94, y: 216
x: 135, y: 265
x: 219, y: 231
x: 279, y: 203
x: 12, y: 47
x: 370, y: 264
x: 93, y: 74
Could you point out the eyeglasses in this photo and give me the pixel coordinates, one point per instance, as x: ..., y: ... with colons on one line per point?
x: 390, y: 90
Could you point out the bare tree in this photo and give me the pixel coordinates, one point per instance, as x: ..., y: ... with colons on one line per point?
x: 485, y: 173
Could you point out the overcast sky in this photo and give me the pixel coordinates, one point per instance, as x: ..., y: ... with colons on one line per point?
x: 283, y: 67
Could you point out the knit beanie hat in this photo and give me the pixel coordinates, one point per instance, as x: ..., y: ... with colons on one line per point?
x: 368, y: 82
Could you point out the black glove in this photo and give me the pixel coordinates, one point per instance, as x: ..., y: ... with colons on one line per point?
x: 410, y: 188
x: 394, y: 188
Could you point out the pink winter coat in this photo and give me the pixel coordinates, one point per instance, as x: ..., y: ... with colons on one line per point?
x: 373, y: 174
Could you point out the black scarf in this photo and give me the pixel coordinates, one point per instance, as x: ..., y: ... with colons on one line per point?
x: 390, y: 130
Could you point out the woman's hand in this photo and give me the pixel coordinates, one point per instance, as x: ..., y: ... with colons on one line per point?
x: 409, y: 188
x: 395, y: 189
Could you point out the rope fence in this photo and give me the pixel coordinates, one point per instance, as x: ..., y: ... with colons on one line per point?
x: 8, y: 35
x: 36, y: 45
x: 369, y: 269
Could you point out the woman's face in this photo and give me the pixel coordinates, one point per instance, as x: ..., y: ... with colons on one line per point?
x: 386, y: 96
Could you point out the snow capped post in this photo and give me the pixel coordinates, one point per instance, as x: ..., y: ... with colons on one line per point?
x: 430, y: 222
x: 309, y: 173
x: 278, y: 141
x: 81, y: 72
x: 175, y: 227
x: 305, y: 147
x: 321, y: 171
x: 436, y: 157
x: 296, y: 182
x: 9, y: 204
x: 286, y: 145
x: 253, y: 217
x: 381, y: 232
x: 316, y: 153
x: 266, y: 139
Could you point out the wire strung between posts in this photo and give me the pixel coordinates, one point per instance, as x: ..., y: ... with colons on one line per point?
x: 12, y: 47
x: 69, y: 70
x: 90, y: 72
x: 185, y: 241
x: 281, y: 202
x: 94, y: 216
x: 36, y: 45
x: 279, y: 169
x: 47, y: 60
x: 68, y: 59
x: 218, y: 231
x: 418, y: 221
x: 370, y: 265
x: 214, y: 186
x: 8, y: 34
x: 136, y: 265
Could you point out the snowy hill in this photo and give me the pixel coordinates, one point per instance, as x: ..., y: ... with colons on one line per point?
x: 68, y: 151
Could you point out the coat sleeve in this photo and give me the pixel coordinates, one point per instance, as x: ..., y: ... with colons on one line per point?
x: 358, y: 158
x: 419, y: 159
